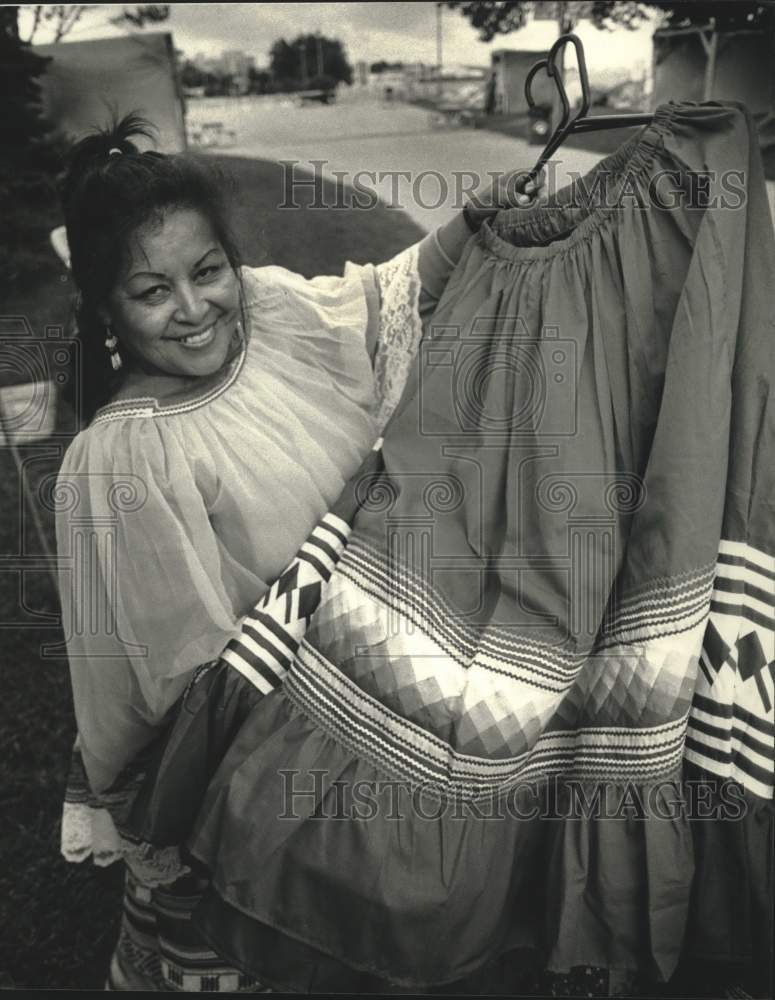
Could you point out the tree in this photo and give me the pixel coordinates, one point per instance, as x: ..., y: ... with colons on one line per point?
x: 191, y: 75
x: 62, y: 18
x: 283, y: 61
x: 259, y: 80
x: 139, y: 16
x: 493, y: 17
x: 293, y: 64
x: 30, y: 156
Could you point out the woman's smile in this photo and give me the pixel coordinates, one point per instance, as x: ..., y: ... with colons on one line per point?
x: 198, y: 340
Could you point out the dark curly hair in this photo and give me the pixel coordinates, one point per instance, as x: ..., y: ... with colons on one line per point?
x: 105, y: 198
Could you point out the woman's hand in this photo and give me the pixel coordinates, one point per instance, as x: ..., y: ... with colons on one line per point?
x: 514, y: 190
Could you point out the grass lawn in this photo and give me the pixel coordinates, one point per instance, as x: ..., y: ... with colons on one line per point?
x: 58, y: 922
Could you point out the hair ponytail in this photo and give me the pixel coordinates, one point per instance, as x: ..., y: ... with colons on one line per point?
x: 91, y: 154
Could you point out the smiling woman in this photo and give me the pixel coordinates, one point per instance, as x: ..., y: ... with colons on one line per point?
x: 226, y: 409
x: 154, y: 263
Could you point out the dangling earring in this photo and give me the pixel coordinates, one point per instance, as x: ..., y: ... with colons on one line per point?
x: 111, y: 343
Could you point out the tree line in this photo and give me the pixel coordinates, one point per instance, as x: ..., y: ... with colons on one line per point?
x: 306, y: 62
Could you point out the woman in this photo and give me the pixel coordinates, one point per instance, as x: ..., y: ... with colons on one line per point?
x: 228, y: 406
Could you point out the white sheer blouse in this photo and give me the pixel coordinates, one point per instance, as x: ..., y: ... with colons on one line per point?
x: 175, y: 516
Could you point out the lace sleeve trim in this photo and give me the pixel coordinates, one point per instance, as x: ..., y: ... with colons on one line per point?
x: 89, y: 828
x: 400, y: 329
x: 88, y: 831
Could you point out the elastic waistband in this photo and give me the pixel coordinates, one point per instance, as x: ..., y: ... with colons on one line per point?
x: 570, y: 210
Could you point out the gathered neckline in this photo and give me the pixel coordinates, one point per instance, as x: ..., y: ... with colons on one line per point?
x: 578, y: 220
x: 138, y: 406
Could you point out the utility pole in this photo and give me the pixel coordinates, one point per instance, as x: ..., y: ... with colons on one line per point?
x: 319, y: 41
x: 439, y: 53
x: 710, y: 44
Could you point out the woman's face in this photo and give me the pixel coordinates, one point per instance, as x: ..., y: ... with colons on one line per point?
x: 176, y: 306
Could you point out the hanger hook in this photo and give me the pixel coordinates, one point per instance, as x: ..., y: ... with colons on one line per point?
x: 541, y: 64
x: 551, y: 69
x: 552, y: 73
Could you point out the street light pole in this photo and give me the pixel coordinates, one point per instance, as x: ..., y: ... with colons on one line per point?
x: 319, y: 41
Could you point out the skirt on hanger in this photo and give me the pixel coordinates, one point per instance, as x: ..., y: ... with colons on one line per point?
x: 532, y: 710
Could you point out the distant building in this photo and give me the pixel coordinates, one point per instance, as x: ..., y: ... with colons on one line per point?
x: 457, y: 85
x: 416, y: 70
x: 207, y: 64
x: 511, y: 67
x: 392, y: 81
x: 237, y: 65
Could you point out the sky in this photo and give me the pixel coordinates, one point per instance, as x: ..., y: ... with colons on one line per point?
x: 394, y: 31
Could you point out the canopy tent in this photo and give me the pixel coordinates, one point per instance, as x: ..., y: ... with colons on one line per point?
x: 135, y: 72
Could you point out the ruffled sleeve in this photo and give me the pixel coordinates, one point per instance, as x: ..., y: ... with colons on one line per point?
x: 143, y: 602
x: 373, y: 315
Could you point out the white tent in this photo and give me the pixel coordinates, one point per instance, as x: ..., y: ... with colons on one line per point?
x: 135, y: 72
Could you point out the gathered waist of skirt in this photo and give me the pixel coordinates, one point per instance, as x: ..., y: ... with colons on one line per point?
x: 577, y: 210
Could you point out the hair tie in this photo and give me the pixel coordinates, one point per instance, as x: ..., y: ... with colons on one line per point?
x: 115, y: 151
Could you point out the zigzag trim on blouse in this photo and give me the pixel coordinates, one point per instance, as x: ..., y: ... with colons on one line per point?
x: 147, y: 406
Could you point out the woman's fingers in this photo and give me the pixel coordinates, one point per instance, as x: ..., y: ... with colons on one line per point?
x: 526, y: 189
x: 516, y: 190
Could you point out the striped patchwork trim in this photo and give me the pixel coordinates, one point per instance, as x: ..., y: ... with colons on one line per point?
x: 271, y: 633
x: 662, y: 609
x: 745, y: 584
x: 409, y: 597
x: 669, y: 608
x: 359, y: 722
x: 657, y: 633
x: 732, y: 723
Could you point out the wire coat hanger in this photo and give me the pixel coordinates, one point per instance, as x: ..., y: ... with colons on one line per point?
x: 581, y: 121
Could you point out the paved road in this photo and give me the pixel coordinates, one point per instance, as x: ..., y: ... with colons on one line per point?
x: 409, y: 163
